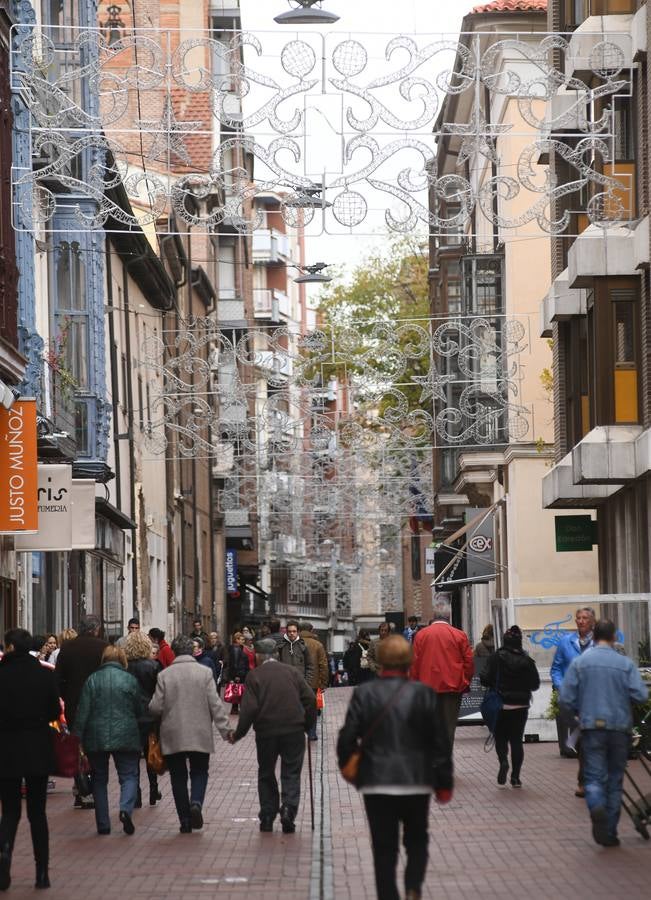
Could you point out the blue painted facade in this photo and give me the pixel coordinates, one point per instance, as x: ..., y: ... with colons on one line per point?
x: 90, y: 398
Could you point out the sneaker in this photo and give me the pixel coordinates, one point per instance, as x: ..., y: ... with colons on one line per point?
x: 51, y: 785
x: 599, y: 818
x: 266, y: 824
x: 501, y: 775
x: 127, y: 824
x: 580, y: 791
x: 185, y: 828
x: 77, y: 803
x: 515, y: 782
x: 611, y: 841
x: 87, y: 803
x: 196, y: 819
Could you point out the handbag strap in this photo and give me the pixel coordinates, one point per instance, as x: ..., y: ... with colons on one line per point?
x: 383, y: 712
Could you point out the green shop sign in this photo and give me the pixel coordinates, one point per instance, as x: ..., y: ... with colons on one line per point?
x: 575, y: 533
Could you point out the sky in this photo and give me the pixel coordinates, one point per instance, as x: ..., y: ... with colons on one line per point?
x: 358, y: 19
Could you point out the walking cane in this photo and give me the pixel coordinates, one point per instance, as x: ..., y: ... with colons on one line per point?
x: 309, y: 765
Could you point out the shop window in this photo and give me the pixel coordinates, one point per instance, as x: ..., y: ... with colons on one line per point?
x: 71, y: 315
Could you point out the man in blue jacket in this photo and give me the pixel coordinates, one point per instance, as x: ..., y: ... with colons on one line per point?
x: 571, y: 646
x: 600, y: 687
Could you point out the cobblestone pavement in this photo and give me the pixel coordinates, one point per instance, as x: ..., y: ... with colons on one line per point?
x: 488, y: 842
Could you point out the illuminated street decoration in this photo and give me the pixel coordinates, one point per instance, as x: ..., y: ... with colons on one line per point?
x: 286, y: 103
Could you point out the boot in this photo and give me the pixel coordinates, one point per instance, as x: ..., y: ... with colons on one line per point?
x: 154, y: 793
x: 42, y: 876
x: 138, y: 804
x: 5, y: 867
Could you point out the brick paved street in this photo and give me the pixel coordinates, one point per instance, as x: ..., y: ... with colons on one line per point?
x: 487, y: 843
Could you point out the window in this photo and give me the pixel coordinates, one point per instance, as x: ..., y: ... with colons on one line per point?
x: 482, y: 285
x: 624, y: 356
x: 71, y: 316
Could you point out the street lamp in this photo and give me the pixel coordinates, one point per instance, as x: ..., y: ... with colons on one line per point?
x: 313, y: 274
x: 304, y: 13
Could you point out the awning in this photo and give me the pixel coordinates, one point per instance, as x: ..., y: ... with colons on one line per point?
x: 254, y: 589
x: 471, y: 524
x: 113, y: 514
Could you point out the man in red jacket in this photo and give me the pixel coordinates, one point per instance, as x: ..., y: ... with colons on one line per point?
x: 443, y: 660
x: 165, y: 653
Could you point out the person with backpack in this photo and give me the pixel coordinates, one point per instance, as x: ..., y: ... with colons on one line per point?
x: 356, y: 659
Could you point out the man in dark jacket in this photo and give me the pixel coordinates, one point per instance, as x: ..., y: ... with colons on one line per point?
x: 294, y: 652
x: 77, y: 660
x: 406, y: 757
x: 280, y: 706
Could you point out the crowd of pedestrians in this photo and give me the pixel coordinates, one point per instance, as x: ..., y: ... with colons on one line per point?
x: 140, y: 697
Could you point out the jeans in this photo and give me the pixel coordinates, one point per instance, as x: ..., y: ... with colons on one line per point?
x: 176, y: 763
x: 385, y: 813
x: 509, y: 732
x: 447, y: 709
x: 127, y: 765
x: 291, y: 749
x: 11, y: 811
x: 604, y: 760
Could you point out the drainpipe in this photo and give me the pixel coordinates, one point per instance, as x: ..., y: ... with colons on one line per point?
x: 114, y: 376
x: 132, y: 453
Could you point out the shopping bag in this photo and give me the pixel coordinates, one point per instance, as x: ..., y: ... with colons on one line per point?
x: 320, y: 699
x: 66, y: 753
x: 350, y: 769
x: 233, y: 692
x: 155, y: 758
x: 491, y: 707
x: 84, y: 783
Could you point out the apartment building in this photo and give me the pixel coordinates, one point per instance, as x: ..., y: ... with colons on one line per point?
x: 486, y: 275
x: 597, y: 313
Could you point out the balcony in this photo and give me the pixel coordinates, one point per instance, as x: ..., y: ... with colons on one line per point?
x: 561, y: 302
x: 270, y: 246
x: 230, y: 312
x: 559, y: 490
x: 270, y: 303
x: 603, y: 252
x: 612, y: 454
x: 601, y: 40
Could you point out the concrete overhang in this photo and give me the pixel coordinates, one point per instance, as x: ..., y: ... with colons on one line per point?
x: 638, y: 33
x: 602, y: 252
x: 560, y: 492
x: 561, y: 302
x: 600, y: 42
x: 451, y: 500
x: 606, y: 455
x: 643, y: 453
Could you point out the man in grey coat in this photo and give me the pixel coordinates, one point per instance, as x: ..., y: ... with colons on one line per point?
x: 280, y: 706
x: 293, y: 651
x: 187, y: 703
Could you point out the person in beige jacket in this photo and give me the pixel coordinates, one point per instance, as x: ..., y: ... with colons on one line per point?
x: 187, y: 704
x: 320, y: 677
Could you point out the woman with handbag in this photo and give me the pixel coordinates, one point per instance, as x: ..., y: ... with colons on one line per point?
x: 513, y: 674
x: 29, y: 701
x: 107, y: 725
x: 187, y: 703
x: 391, y: 748
x: 144, y: 668
x: 238, y: 669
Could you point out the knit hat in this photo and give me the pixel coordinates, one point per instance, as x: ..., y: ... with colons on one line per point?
x: 513, y: 638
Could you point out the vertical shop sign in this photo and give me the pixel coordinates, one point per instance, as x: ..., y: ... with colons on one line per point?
x: 18, y: 468
x: 231, y: 571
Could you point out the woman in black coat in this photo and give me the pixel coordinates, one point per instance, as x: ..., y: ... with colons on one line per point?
x: 514, y: 675
x: 29, y: 701
x: 238, y: 664
x: 141, y: 664
x: 405, y: 757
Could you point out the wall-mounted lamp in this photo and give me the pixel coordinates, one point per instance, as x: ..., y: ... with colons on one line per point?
x: 313, y: 274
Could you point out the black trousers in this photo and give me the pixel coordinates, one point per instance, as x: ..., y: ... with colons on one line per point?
x: 385, y: 813
x: 291, y: 750
x: 11, y: 810
x: 509, y: 732
x: 177, y: 764
x: 447, y: 710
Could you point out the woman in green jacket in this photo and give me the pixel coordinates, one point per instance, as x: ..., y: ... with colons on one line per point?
x: 107, y: 724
